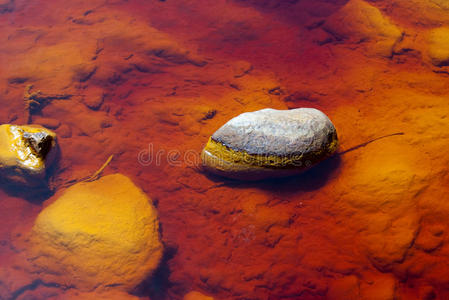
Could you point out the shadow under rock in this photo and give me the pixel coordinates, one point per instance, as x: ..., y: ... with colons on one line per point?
x: 310, y: 180
x: 35, y: 194
x: 156, y: 286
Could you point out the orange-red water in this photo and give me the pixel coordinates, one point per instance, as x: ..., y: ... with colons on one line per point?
x: 369, y: 224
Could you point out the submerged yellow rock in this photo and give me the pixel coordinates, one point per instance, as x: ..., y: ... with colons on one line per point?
x: 25, y: 153
x: 359, y: 21
x: 97, y: 234
x: 439, y: 46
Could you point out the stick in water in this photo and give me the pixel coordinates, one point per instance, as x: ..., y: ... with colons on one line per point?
x: 369, y: 142
x: 93, y: 177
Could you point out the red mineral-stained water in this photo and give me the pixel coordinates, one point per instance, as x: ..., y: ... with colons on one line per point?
x: 151, y: 81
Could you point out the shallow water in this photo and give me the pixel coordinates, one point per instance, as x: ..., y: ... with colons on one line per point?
x: 149, y: 82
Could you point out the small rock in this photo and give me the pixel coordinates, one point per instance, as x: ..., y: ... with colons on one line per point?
x: 439, y: 46
x: 358, y: 21
x: 25, y: 153
x: 270, y: 143
x: 97, y: 235
x: 194, y: 295
x: 48, y: 122
x: 94, y: 103
x: 94, y: 99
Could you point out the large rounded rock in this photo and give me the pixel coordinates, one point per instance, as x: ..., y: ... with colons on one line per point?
x: 270, y: 143
x: 26, y: 152
x: 97, y: 234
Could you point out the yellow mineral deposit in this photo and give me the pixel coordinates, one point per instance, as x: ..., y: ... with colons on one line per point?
x: 25, y: 153
x: 439, y: 46
x: 14, y: 148
x: 360, y: 22
x: 97, y: 235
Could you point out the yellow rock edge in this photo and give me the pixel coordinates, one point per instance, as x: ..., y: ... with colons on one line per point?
x: 14, y: 150
x: 221, y: 159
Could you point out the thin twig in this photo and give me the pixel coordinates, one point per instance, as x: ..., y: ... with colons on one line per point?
x: 90, y: 178
x: 369, y: 142
x: 97, y: 174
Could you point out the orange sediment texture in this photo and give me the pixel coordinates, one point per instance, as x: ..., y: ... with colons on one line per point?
x: 317, y: 236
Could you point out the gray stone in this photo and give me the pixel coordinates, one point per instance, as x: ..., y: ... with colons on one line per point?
x: 270, y: 143
x: 277, y: 132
